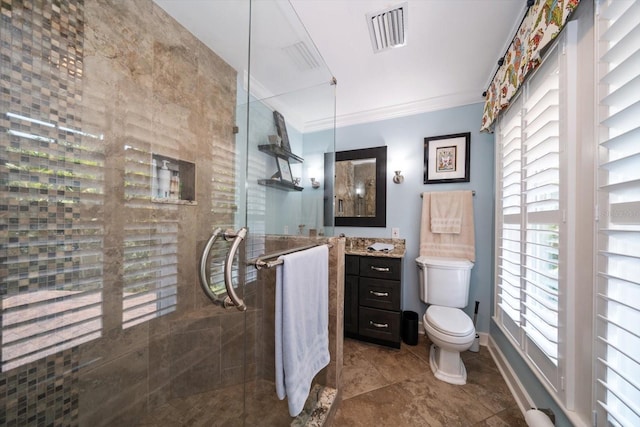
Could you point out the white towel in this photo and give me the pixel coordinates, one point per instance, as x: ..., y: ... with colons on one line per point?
x: 446, y: 211
x: 383, y: 247
x: 446, y: 244
x: 302, y: 323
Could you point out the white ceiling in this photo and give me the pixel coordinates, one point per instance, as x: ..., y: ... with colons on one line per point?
x: 450, y: 56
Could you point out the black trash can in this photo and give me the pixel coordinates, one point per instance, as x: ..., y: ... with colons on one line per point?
x: 410, y: 327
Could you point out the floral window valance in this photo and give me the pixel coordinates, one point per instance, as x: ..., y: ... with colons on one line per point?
x: 542, y: 23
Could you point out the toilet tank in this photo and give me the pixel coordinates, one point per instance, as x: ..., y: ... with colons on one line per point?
x: 444, y: 281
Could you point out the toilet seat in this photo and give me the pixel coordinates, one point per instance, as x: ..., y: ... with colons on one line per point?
x: 435, y: 335
x: 449, y: 321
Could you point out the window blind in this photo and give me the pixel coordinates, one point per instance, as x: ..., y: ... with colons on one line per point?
x: 541, y: 205
x: 510, y: 218
x: 617, y: 341
x: 529, y: 219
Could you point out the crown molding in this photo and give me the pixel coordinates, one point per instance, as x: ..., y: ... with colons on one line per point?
x: 395, y: 111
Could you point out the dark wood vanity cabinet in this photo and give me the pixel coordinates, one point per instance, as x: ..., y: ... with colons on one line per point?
x: 352, y: 269
x: 372, y: 302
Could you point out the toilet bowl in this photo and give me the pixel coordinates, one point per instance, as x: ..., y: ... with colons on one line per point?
x: 451, y: 331
x: 444, y: 286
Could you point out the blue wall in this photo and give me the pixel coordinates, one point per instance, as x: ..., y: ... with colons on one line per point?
x: 404, y: 138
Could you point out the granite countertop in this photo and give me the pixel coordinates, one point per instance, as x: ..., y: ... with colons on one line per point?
x: 359, y: 245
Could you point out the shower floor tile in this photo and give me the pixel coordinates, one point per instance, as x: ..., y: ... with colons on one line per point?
x: 225, y: 407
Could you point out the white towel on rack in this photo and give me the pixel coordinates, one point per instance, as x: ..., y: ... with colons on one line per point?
x: 302, y: 323
x: 447, y: 244
x: 447, y: 208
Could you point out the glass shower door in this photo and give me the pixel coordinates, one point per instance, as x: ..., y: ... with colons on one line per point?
x: 289, y: 129
x: 284, y: 122
x: 103, y: 320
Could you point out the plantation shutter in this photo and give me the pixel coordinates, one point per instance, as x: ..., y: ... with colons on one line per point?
x: 617, y: 346
x: 509, y: 219
x: 529, y: 218
x: 542, y: 216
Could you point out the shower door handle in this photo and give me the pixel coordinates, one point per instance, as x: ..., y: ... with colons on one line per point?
x: 203, y: 264
x: 232, y: 299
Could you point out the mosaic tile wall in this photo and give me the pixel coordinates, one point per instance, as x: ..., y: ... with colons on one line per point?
x: 51, y: 185
x: 89, y: 92
x: 41, y: 393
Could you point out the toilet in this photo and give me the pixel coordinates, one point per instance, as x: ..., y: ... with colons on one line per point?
x: 444, y: 286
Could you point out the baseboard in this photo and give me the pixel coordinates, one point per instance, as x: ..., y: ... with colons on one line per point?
x: 522, y: 398
x: 484, y: 338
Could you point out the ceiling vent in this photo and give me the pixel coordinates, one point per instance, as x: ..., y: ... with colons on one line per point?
x: 302, y: 56
x: 388, y: 28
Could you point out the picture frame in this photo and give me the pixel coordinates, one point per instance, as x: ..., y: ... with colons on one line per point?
x: 447, y: 158
x: 281, y: 129
x: 284, y: 169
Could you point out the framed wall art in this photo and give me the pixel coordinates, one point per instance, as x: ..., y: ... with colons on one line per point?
x: 281, y: 128
x: 285, y: 169
x: 447, y: 158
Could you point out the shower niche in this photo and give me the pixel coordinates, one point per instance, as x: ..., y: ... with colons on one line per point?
x: 172, y: 180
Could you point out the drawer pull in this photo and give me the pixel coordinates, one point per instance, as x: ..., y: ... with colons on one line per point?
x: 378, y: 325
x: 382, y: 269
x: 379, y: 294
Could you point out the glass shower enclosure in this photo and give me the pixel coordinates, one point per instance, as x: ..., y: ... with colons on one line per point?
x: 130, y: 132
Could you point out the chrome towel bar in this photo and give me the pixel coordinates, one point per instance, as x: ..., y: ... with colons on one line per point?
x: 260, y: 262
x: 232, y: 299
x: 473, y: 193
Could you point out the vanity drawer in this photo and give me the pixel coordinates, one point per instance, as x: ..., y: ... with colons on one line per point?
x: 381, y: 268
x: 379, y: 293
x: 379, y: 324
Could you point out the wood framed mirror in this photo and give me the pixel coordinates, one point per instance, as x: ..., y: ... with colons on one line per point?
x: 360, y: 188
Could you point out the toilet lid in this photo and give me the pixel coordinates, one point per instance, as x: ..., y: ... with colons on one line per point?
x: 450, y: 321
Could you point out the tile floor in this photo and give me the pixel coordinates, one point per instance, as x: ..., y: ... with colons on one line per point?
x: 389, y: 387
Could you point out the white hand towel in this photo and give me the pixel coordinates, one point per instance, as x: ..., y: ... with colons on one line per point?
x: 447, y: 244
x: 446, y: 211
x: 302, y: 323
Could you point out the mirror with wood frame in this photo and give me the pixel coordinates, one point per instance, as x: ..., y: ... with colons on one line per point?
x: 360, y: 188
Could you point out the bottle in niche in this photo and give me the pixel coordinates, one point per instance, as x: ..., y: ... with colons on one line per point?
x: 154, y: 178
x: 164, y: 180
x: 174, y: 186
x: 178, y: 189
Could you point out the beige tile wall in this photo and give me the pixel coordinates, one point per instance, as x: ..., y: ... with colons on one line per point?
x: 148, y: 86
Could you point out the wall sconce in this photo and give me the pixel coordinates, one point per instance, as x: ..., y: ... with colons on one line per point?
x: 314, y: 183
x: 397, y: 178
